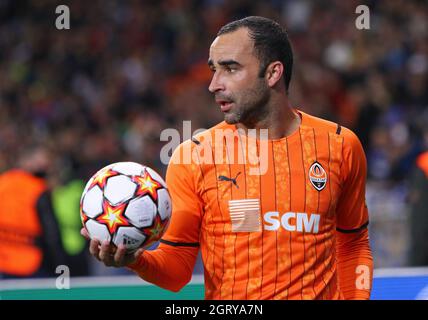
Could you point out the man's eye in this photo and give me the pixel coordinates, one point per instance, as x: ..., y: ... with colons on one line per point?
x: 231, y: 70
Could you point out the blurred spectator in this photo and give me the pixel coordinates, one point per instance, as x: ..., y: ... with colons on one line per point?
x: 30, y: 243
x: 65, y: 203
x: 418, y: 196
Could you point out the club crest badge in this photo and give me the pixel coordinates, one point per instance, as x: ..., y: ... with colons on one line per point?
x: 317, y: 176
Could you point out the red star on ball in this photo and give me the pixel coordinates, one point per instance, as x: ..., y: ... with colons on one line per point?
x: 113, y: 216
x: 154, y: 232
x: 83, y: 216
x: 147, y: 185
x: 101, y: 177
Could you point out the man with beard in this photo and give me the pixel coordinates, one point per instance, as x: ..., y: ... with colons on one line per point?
x: 290, y: 225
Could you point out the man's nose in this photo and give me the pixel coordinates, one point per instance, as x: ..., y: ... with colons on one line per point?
x: 216, y: 84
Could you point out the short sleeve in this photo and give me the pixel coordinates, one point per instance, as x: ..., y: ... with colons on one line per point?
x: 351, y: 210
x: 184, y: 227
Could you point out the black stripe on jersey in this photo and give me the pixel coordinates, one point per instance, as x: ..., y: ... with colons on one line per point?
x: 248, y: 238
x: 276, y: 205
x: 353, y: 230
x: 261, y: 209
x: 329, y: 201
x: 339, y: 129
x: 318, y: 210
x: 231, y: 197
x: 180, y: 244
x: 304, y: 210
x: 289, y: 187
x: 206, y: 201
x: 219, y: 206
x: 221, y: 212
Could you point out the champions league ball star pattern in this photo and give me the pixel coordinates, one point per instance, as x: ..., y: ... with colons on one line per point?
x: 126, y: 203
x: 146, y: 185
x: 101, y: 177
x: 113, y: 217
x: 156, y: 230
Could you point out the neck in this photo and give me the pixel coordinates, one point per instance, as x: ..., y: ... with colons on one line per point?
x: 280, y: 120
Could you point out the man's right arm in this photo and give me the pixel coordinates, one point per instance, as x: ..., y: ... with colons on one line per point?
x: 169, y: 267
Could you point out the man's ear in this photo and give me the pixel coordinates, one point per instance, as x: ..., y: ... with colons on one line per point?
x: 274, y: 73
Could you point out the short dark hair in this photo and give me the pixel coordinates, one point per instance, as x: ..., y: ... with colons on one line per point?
x: 270, y: 42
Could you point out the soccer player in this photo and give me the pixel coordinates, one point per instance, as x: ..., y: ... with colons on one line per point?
x: 291, y: 225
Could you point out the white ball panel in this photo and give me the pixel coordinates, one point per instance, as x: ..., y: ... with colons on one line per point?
x: 164, y: 204
x: 86, y: 188
x: 141, y: 211
x: 92, y: 202
x: 130, y: 237
x: 156, y: 176
x: 97, y: 230
x: 128, y: 168
x: 119, y: 189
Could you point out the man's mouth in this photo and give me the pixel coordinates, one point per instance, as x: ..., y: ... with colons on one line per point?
x: 225, y: 106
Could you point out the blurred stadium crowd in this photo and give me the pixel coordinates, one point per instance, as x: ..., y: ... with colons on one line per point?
x: 104, y: 90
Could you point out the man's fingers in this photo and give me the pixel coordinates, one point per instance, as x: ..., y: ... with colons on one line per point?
x: 105, y: 254
x: 133, y: 257
x: 94, y: 248
x: 112, y: 256
x: 120, y: 255
x: 85, y: 233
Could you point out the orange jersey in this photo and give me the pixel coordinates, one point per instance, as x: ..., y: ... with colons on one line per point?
x: 265, y: 213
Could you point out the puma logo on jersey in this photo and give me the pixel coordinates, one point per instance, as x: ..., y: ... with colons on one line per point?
x: 233, y: 180
x: 292, y: 221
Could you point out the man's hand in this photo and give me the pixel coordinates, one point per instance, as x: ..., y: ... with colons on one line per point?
x: 109, y: 254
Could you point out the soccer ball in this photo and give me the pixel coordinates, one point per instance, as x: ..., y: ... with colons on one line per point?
x: 126, y: 203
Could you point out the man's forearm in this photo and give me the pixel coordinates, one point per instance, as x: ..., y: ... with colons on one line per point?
x: 167, y: 267
x: 355, y: 264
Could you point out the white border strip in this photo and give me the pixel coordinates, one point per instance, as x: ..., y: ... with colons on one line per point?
x: 401, y: 272
x: 116, y: 281
x: 83, y: 282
